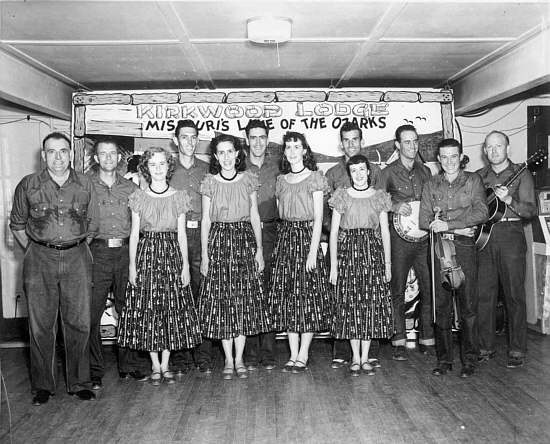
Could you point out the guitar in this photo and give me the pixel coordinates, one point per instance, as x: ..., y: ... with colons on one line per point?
x: 497, y: 208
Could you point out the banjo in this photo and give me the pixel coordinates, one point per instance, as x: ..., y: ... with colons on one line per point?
x: 407, y: 226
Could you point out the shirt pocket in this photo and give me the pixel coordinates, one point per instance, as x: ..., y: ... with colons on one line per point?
x: 39, y: 210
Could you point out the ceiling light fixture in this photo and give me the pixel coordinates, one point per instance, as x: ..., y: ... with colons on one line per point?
x: 269, y: 30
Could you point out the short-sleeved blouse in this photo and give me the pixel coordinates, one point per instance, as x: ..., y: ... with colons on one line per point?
x: 359, y: 212
x: 296, y: 199
x: 230, y: 201
x: 159, y: 213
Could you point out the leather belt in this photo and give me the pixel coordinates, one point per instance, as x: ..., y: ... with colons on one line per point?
x: 59, y: 247
x: 510, y: 219
x: 192, y: 223
x: 113, y: 242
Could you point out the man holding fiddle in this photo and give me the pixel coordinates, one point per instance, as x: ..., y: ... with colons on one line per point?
x: 452, y: 204
x: 503, y: 258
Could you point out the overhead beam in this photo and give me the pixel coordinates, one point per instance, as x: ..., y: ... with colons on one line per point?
x: 24, y: 85
x: 524, y: 67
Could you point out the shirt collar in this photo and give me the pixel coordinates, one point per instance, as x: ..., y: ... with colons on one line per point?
x: 45, y: 176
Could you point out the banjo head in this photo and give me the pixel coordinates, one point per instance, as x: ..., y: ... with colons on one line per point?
x: 407, y: 226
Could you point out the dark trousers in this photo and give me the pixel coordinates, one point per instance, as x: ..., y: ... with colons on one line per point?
x: 503, y: 260
x: 58, y: 285
x: 203, y: 353
x: 405, y: 255
x: 466, y: 302
x: 260, y: 348
x: 110, y: 271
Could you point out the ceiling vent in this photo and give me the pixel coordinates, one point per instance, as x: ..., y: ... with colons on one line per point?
x: 269, y: 30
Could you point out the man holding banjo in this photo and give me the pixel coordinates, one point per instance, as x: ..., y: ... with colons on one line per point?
x: 404, y: 179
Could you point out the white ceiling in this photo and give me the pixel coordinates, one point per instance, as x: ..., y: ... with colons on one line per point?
x: 113, y: 45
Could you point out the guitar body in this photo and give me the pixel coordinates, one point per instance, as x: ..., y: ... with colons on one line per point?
x: 497, y: 208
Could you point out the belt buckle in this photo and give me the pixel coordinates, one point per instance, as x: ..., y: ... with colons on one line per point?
x: 192, y: 224
x: 114, y: 243
x: 448, y: 236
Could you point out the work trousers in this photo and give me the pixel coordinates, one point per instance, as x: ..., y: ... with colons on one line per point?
x: 58, y: 286
x: 466, y: 302
x: 259, y: 349
x: 110, y: 271
x: 203, y: 353
x: 503, y: 260
x: 405, y: 255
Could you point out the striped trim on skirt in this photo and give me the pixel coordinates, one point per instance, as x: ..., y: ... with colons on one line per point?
x: 159, y: 313
x: 231, y: 297
x: 299, y: 300
x: 362, y: 306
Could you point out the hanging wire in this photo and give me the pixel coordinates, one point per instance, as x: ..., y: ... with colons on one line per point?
x: 28, y: 119
x: 459, y: 130
x: 497, y: 120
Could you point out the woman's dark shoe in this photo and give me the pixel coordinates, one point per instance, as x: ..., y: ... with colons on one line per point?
x: 168, y: 377
x: 374, y: 362
x: 289, y: 366
x: 442, y: 369
x: 355, y: 369
x: 96, y: 383
x: 514, y: 362
x: 156, y: 378
x: 367, y: 369
x: 301, y: 368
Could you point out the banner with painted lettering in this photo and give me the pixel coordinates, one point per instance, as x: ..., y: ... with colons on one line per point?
x: 319, y: 114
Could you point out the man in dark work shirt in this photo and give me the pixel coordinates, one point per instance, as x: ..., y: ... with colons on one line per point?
x: 259, y: 349
x: 458, y: 197
x: 404, y: 179
x: 503, y: 258
x: 54, y: 212
x: 189, y: 173
x: 111, y: 259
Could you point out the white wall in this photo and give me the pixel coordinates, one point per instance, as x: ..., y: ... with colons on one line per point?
x: 510, y: 119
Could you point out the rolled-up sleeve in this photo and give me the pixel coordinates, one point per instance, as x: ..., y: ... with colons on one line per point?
x: 20, y: 208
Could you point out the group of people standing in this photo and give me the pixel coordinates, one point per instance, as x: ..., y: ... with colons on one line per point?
x: 230, y: 251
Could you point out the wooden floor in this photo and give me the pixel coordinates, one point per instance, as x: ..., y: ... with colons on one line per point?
x: 402, y: 403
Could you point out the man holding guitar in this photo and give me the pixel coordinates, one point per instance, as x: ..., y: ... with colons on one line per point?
x: 404, y: 179
x: 503, y: 257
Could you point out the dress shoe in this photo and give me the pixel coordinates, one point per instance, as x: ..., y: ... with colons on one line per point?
x: 368, y: 369
x: 289, y: 366
x: 515, y: 362
x: 299, y: 368
x: 428, y: 350
x: 241, y: 372
x: 96, y: 383
x: 83, y: 395
x: 41, y: 397
x: 442, y: 369
x: 252, y: 367
x: 182, y: 371
x: 338, y: 363
x: 486, y: 355
x: 269, y: 366
x: 374, y: 362
x: 467, y: 371
x: 168, y: 377
x: 355, y: 369
x: 399, y: 353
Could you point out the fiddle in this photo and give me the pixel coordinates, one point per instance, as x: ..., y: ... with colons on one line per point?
x: 452, y: 276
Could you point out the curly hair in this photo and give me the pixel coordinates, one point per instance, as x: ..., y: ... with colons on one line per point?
x: 148, y: 154
x: 240, y: 162
x: 356, y: 160
x: 309, y: 160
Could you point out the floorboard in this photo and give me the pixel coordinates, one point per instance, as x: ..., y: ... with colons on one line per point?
x: 402, y: 403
